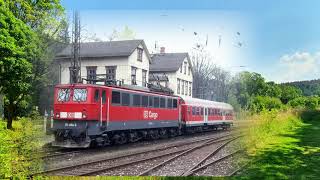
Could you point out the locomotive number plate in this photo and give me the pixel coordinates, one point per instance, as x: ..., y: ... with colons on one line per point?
x: 70, y: 124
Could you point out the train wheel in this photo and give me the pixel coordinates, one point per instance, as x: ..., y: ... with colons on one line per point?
x: 154, y: 134
x: 120, y: 138
x: 163, y: 133
x: 133, y: 137
x: 173, y: 132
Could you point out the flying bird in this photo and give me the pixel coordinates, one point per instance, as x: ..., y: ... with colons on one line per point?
x: 195, y: 33
x: 219, y: 40
x: 238, y: 33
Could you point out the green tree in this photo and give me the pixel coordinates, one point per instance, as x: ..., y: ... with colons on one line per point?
x: 289, y: 93
x: 17, y: 46
x: 45, y: 18
x: 261, y: 103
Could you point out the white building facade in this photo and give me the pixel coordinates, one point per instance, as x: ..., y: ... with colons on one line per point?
x: 123, y: 61
x: 172, y: 70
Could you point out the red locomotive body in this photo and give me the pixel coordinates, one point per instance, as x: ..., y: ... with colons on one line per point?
x: 87, y: 114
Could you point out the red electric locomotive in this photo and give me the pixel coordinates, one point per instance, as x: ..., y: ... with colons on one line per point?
x: 86, y: 114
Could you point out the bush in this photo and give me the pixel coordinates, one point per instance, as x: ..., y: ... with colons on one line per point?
x: 305, y: 102
x: 262, y: 103
x: 298, y: 102
x: 312, y: 103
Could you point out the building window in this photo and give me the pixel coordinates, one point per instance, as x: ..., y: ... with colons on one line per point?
x: 182, y: 87
x: 190, y: 88
x: 140, y: 52
x: 133, y: 75
x: 144, y: 78
x: 178, y: 86
x: 91, y: 74
x: 186, y: 91
x: 189, y: 70
x: 111, y: 72
x: 185, y: 68
x: 181, y: 69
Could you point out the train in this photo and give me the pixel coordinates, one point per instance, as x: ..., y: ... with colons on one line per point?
x: 86, y: 115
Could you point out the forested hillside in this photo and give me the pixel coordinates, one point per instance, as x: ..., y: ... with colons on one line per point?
x: 308, y: 88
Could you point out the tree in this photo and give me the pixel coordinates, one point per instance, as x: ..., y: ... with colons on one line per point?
x: 46, y: 19
x: 289, y: 93
x: 209, y: 81
x: 17, y: 46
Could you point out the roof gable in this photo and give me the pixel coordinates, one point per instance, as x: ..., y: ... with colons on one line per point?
x: 105, y: 49
x: 167, y: 62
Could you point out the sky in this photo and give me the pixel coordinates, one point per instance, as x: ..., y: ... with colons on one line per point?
x: 279, y: 39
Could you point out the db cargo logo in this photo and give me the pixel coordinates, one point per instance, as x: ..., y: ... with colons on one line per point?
x: 150, y: 114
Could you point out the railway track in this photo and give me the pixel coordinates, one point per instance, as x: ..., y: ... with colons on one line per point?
x: 151, y: 171
x: 213, y: 162
x: 105, y: 164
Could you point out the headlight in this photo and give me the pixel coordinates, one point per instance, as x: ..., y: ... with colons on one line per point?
x: 57, y: 115
x: 84, y: 115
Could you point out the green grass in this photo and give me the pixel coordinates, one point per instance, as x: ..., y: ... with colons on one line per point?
x: 284, y: 145
x: 17, y: 147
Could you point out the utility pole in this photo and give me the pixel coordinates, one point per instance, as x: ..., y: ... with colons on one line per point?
x: 75, y: 60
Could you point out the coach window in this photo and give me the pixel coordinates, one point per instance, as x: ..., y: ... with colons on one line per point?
x: 193, y: 110
x: 125, y: 99
x: 103, y: 96
x: 169, y: 103
x: 175, y: 103
x: 144, y: 101
x: 96, y: 95
x: 115, y: 97
x: 162, y: 103
x: 156, y: 102
x: 136, y: 100
x: 150, y: 101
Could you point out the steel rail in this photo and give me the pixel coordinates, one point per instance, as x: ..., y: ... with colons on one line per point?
x: 147, y: 172
x: 129, y: 155
x: 213, y: 162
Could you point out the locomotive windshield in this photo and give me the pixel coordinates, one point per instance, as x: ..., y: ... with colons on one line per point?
x: 80, y: 95
x: 64, y: 95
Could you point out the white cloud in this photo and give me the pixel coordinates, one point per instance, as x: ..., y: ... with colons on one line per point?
x: 298, y: 66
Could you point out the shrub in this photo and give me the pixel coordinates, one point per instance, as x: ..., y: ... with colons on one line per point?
x: 262, y: 103
x: 298, y: 102
x: 312, y: 103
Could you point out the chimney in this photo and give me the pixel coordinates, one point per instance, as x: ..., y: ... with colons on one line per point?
x: 162, y: 50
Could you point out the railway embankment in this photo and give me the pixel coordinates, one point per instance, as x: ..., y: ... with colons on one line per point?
x: 283, y: 145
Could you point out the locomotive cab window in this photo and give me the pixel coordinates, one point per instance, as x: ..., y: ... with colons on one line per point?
x: 136, y: 100
x: 63, y: 95
x: 144, y: 101
x: 174, y: 103
x: 96, y: 95
x: 125, y: 99
x: 150, y: 101
x: 169, y: 103
x: 115, y: 97
x: 162, y: 103
x: 104, y: 97
x: 156, y: 102
x: 79, y: 95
